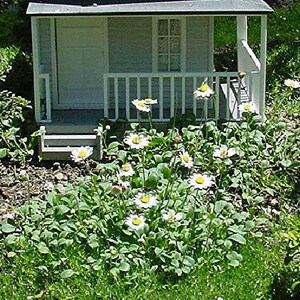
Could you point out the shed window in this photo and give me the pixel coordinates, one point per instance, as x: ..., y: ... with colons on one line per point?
x: 169, y: 45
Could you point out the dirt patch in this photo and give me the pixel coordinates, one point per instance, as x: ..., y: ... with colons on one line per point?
x: 19, y: 184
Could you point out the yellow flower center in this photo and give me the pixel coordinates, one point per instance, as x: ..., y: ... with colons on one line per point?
x: 136, y: 221
x: 293, y: 84
x: 200, y: 179
x: 224, y: 153
x: 145, y: 199
x: 247, y: 107
x: 203, y: 88
x: 171, y: 217
x: 186, y: 158
x: 142, y: 103
x: 136, y: 140
x: 82, y: 154
x: 126, y: 167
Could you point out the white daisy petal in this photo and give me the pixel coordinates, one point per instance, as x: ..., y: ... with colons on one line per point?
x: 136, y: 141
x: 247, y: 107
x: 81, y: 153
x: 150, y: 101
x: 126, y: 170
x: 292, y: 83
x: 224, y: 152
x: 201, y: 181
x: 204, y: 91
x: 172, y: 216
x: 135, y: 222
x: 186, y: 160
x: 144, y: 200
x: 141, y: 105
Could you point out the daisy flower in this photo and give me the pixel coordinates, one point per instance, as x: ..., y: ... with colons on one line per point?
x: 81, y: 153
x: 135, y: 222
x: 126, y: 170
x: 172, y: 216
x: 224, y: 152
x: 136, y: 141
x: 145, y: 200
x: 292, y: 83
x: 204, y: 91
x: 186, y: 160
x: 201, y: 181
x: 149, y: 101
x: 247, y: 107
x: 141, y: 105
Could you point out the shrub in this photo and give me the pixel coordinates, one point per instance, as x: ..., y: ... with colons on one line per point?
x: 166, y: 203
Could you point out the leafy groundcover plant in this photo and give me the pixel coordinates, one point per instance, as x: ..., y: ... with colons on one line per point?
x: 163, y: 203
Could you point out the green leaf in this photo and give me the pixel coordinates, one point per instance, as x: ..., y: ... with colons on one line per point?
x: 67, y: 273
x: 3, y: 152
x: 62, y: 209
x: 238, y: 238
x: 151, y: 181
x: 286, y: 163
x: 165, y: 170
x: 234, y: 263
x: 42, y: 248
x: 113, y: 148
x: 124, y: 267
x: 122, y: 156
x: 8, y: 228
x: 115, y: 272
x: 219, y: 205
x: 186, y: 269
x: 158, y: 251
x: 11, y: 239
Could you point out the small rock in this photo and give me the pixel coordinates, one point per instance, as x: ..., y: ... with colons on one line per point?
x: 59, y: 176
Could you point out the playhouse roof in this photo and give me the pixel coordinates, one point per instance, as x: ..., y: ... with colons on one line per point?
x: 146, y: 7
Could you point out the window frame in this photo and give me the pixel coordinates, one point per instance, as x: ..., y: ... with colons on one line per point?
x: 155, y: 36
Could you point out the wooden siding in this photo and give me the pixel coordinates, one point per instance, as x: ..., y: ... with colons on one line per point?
x: 197, y: 44
x: 130, y: 44
x: 130, y: 51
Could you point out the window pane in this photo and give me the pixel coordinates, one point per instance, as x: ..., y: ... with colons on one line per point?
x: 163, y: 63
x: 163, y: 45
x: 175, y: 63
x: 163, y: 27
x: 175, y: 45
x: 174, y: 27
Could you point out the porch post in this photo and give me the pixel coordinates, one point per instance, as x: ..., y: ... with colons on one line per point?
x: 242, y: 34
x: 36, y: 68
x: 263, y: 57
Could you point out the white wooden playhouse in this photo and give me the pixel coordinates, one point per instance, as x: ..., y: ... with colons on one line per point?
x: 92, y: 58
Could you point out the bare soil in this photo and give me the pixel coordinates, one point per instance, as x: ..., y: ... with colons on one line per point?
x: 19, y: 184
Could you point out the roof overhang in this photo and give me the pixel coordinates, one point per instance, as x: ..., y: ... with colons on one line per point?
x: 144, y: 7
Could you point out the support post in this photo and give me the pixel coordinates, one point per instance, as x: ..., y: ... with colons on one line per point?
x: 242, y: 34
x: 263, y: 58
x: 36, y: 68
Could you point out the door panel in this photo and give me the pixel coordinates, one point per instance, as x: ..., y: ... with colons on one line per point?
x: 81, y: 65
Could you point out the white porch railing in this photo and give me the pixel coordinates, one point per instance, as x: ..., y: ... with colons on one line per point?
x: 174, y: 92
x: 251, y: 64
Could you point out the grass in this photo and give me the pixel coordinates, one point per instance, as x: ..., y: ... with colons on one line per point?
x: 252, y: 280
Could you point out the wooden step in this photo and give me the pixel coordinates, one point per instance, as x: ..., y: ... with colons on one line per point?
x: 60, y: 146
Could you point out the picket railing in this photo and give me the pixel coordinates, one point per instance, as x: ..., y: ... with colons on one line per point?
x: 174, y: 92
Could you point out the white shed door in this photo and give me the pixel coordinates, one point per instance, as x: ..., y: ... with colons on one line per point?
x: 80, y: 55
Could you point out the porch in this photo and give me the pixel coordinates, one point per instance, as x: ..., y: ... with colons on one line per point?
x: 173, y: 91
